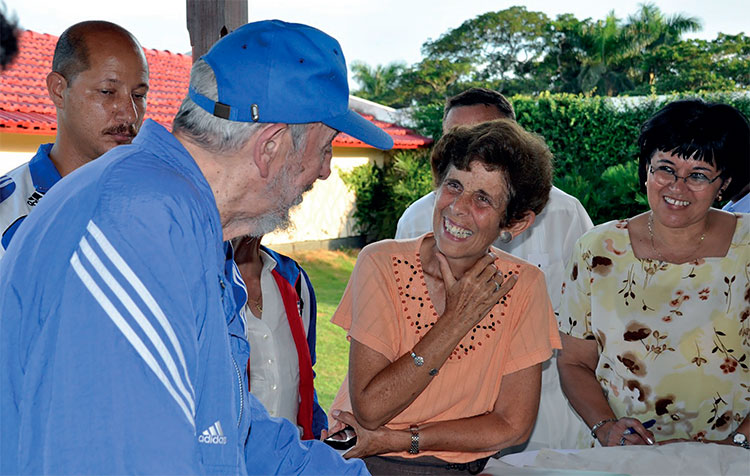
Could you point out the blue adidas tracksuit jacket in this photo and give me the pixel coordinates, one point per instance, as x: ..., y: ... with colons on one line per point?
x: 122, y: 350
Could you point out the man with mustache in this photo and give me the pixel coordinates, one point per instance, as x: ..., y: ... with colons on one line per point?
x: 98, y: 84
x: 122, y: 341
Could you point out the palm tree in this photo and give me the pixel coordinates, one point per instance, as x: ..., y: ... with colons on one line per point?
x: 610, y: 50
x: 604, y: 51
x: 379, y: 83
x: 651, y: 28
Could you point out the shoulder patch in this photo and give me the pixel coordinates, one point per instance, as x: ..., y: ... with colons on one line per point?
x: 10, y: 231
x: 7, y: 187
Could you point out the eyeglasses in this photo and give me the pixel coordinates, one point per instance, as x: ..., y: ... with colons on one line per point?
x: 695, y: 181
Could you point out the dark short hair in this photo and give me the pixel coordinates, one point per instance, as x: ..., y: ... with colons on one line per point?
x: 71, y: 55
x: 523, y: 158
x: 715, y: 133
x: 487, y: 97
x: 8, y: 39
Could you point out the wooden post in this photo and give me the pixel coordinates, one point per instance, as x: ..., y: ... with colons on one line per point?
x: 209, y: 20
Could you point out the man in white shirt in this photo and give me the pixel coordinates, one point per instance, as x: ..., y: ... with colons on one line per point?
x: 547, y: 243
x: 280, y: 327
x: 740, y: 203
x: 98, y: 83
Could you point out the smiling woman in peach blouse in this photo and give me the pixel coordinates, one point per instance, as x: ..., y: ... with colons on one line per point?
x: 448, y: 334
x: 654, y: 311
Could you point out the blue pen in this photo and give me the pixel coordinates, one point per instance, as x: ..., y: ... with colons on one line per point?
x: 646, y: 424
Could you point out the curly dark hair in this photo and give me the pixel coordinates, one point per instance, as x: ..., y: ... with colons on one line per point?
x: 715, y: 133
x: 523, y: 158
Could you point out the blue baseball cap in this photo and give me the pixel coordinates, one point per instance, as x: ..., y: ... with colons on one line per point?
x: 273, y: 71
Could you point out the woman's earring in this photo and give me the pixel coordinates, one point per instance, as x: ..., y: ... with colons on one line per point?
x: 506, y: 236
x: 718, y: 197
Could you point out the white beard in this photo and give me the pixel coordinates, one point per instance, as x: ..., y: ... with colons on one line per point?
x: 279, y: 219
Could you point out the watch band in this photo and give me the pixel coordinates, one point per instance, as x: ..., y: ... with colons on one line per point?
x: 414, y: 448
x: 740, y: 439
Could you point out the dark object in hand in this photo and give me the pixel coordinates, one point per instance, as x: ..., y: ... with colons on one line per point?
x: 342, y: 439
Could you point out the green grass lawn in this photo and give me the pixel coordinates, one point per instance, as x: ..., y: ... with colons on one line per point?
x: 329, y: 272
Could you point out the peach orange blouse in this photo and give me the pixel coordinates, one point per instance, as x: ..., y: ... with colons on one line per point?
x: 386, y: 307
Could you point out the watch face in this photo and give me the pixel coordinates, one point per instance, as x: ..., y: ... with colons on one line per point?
x: 739, y: 439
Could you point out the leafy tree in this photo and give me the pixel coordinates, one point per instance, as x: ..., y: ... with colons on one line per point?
x: 650, y: 29
x: 428, y: 119
x: 498, y: 45
x: 516, y: 51
x: 561, y: 65
x: 433, y: 80
x: 380, y: 83
x: 698, y: 65
x: 732, y: 58
x: 605, y: 51
x: 604, y: 57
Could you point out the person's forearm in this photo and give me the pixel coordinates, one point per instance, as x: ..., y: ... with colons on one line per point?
x: 490, y: 432
x: 483, y: 433
x: 584, y: 393
x: 396, y: 386
x: 743, y: 428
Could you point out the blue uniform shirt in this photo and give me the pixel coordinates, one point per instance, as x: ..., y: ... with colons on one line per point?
x: 21, y: 189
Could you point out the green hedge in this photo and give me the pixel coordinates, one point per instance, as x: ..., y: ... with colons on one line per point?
x: 593, y: 140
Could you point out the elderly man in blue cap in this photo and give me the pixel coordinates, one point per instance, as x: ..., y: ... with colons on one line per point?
x: 122, y: 344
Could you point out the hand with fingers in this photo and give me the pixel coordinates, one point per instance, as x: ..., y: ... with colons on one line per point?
x: 624, y: 431
x: 369, y: 442
x: 470, y: 298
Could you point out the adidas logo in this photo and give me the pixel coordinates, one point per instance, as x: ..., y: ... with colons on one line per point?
x: 213, y: 435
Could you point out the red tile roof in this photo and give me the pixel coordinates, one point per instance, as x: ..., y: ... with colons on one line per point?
x: 25, y: 107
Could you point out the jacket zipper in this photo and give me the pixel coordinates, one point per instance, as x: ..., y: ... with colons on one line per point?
x: 242, y: 391
x: 236, y: 367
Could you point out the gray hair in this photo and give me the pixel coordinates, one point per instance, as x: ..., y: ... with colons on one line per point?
x: 214, y: 133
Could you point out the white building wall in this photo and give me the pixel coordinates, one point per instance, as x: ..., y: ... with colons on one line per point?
x: 11, y: 160
x: 326, y: 211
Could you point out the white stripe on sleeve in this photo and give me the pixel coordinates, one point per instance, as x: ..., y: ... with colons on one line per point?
x: 142, y: 291
x: 141, y: 319
x: 128, y: 332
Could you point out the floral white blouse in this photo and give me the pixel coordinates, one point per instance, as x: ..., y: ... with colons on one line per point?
x: 674, y: 340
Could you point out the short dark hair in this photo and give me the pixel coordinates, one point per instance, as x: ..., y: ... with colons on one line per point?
x: 71, y: 55
x: 715, y: 133
x: 474, y: 96
x: 523, y: 158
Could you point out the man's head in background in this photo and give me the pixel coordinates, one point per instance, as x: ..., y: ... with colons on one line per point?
x: 98, y: 83
x: 475, y: 105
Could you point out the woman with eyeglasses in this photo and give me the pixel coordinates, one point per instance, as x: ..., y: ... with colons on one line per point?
x: 654, y: 316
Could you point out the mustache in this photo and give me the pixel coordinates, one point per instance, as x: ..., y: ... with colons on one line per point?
x: 122, y: 129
